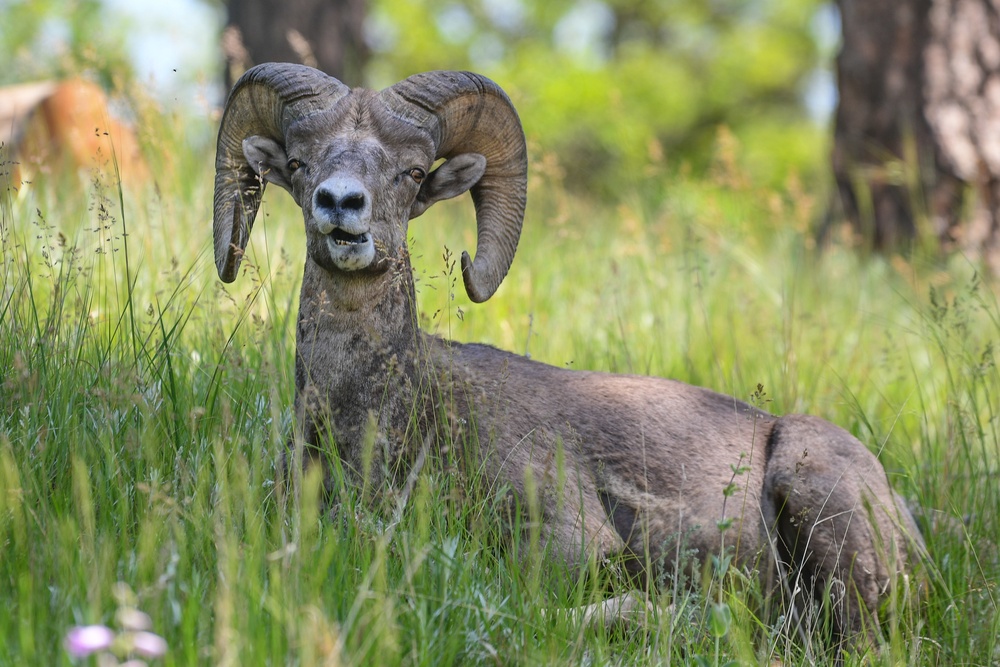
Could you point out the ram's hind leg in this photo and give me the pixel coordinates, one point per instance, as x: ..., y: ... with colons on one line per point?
x: 839, y: 532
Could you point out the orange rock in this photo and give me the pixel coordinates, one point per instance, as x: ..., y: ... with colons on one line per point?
x: 50, y: 127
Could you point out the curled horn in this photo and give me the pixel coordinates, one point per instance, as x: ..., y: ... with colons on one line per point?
x: 468, y: 113
x: 265, y: 101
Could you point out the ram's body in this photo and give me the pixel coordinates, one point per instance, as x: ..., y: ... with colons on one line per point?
x: 622, y: 465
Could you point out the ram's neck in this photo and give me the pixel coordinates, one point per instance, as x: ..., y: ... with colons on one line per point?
x: 356, y: 358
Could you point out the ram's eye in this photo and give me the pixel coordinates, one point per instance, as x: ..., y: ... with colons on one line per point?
x: 417, y: 174
x: 293, y: 164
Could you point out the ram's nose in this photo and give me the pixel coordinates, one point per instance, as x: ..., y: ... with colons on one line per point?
x: 344, y: 202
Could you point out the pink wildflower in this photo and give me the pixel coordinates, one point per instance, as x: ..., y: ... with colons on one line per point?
x: 83, y: 640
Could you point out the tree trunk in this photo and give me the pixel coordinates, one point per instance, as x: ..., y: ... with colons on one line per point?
x: 327, y: 34
x: 918, y: 123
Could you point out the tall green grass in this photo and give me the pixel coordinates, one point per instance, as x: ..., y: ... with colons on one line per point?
x: 146, y: 405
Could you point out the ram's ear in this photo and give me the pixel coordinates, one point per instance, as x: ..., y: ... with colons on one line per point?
x: 268, y: 158
x: 451, y: 179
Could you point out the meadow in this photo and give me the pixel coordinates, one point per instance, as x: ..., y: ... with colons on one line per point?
x: 146, y: 405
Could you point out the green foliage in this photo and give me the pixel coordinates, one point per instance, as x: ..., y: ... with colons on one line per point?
x: 148, y: 405
x: 58, y: 38
x: 618, y: 91
x: 612, y: 87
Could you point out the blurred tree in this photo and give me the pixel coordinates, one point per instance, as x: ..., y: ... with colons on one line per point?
x: 328, y: 34
x: 44, y: 39
x: 918, y: 123
x: 620, y: 89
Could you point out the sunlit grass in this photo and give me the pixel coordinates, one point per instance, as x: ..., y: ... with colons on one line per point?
x: 148, y: 405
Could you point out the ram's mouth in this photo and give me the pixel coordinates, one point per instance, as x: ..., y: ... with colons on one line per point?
x: 347, y: 251
x: 345, y: 238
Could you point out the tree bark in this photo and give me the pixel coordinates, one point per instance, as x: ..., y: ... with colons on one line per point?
x: 917, y: 139
x: 327, y: 34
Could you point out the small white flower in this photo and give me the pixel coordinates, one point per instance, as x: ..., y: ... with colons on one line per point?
x: 133, y: 619
x: 149, y: 644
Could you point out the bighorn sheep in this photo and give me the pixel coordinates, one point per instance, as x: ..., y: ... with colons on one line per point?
x: 645, y: 461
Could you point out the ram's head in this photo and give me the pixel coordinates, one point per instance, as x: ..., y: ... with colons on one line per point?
x: 360, y: 164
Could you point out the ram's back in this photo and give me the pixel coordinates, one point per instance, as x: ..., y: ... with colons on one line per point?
x: 654, y: 456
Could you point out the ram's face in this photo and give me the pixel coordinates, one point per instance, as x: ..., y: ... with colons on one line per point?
x: 359, y: 176
x: 360, y: 164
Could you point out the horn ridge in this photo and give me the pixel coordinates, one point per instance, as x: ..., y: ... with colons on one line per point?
x: 466, y: 112
x: 266, y: 100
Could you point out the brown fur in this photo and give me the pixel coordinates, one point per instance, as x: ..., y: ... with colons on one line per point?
x: 645, y: 461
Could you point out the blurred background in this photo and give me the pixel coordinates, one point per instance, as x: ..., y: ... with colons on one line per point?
x: 609, y: 86
x: 896, y: 134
